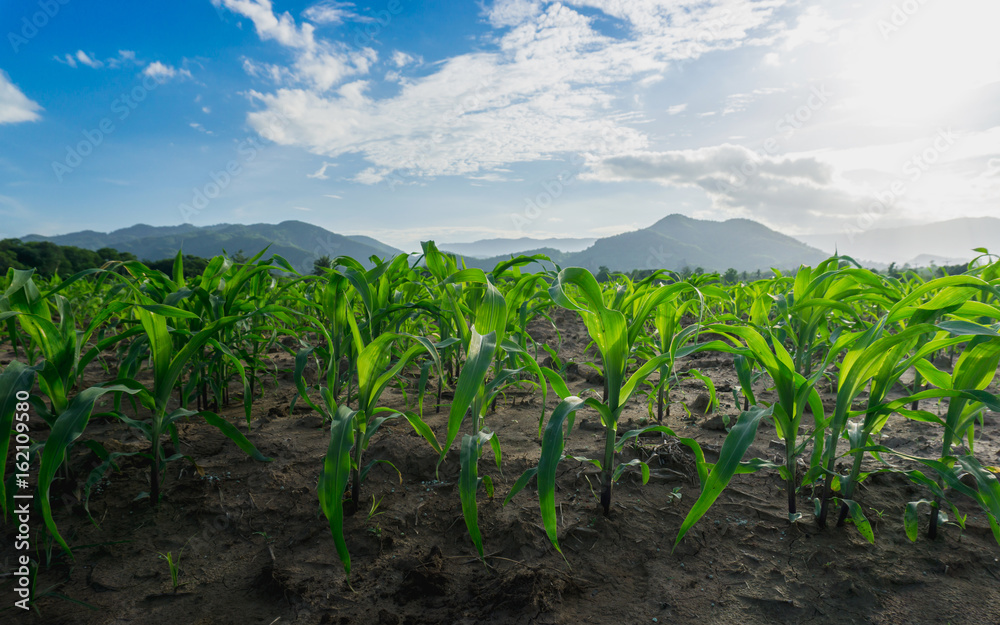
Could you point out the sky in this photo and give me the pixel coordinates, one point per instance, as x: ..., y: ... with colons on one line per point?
x: 456, y: 121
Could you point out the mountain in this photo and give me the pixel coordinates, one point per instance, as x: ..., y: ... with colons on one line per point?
x: 673, y: 242
x: 298, y: 242
x: 951, y: 240
x: 487, y: 248
x: 677, y: 241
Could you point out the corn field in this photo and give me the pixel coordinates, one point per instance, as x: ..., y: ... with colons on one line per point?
x: 820, y: 363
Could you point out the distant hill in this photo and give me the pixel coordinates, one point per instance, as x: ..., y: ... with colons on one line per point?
x: 673, y: 242
x: 951, y: 240
x: 677, y: 241
x: 298, y: 242
x: 558, y: 257
x: 487, y: 248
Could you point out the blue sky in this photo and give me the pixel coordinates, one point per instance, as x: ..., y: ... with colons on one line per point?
x: 407, y: 120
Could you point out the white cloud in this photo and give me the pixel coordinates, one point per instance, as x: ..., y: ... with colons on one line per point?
x: 330, y: 12
x: 320, y: 174
x: 14, y: 105
x: 677, y: 109
x: 80, y: 57
x: 164, y: 72
x: 813, y: 26
x: 200, y: 128
x: 738, y: 102
x: 513, y: 12
x: 782, y: 192
x: 124, y: 57
x: 319, y: 64
x: 401, y: 59
x: 550, y: 85
x: 84, y: 58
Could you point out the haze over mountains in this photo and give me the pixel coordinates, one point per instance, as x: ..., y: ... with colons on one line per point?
x: 944, y: 242
x: 485, y: 248
x: 673, y: 242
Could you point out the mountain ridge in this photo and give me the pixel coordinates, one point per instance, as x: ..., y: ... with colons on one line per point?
x: 300, y: 243
x: 672, y: 242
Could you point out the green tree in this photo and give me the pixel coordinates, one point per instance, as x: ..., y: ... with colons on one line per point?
x: 731, y: 276
x: 322, y: 263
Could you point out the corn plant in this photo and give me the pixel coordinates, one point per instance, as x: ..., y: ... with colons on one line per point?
x: 871, y: 356
x: 473, y: 394
x: 975, y: 370
x: 168, y: 365
x: 352, y: 430
x: 795, y: 392
x: 615, y: 339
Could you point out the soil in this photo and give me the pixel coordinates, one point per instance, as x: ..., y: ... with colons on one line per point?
x: 255, y: 548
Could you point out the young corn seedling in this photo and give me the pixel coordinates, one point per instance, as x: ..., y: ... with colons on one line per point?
x: 868, y: 357
x: 975, y: 370
x: 168, y: 365
x: 352, y: 430
x: 794, y: 392
x: 895, y: 361
x: 614, y: 338
x: 473, y: 394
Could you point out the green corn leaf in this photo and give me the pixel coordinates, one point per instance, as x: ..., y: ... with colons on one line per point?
x: 67, y: 428
x: 468, y: 483
x: 860, y: 522
x: 234, y: 435
x: 558, y: 384
x: 520, y: 483
x: 733, y: 448
x: 368, y: 467
x: 620, y: 469
x: 552, y: 451
x: 334, y: 477
x: 932, y: 374
x: 301, y: 360
x: 910, y: 515
x: 988, y: 486
x: 470, y: 380
x: 424, y: 430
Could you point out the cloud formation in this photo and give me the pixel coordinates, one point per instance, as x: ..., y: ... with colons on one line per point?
x: 162, y: 72
x: 741, y: 182
x: 331, y: 12
x: 15, y: 107
x: 548, y: 85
